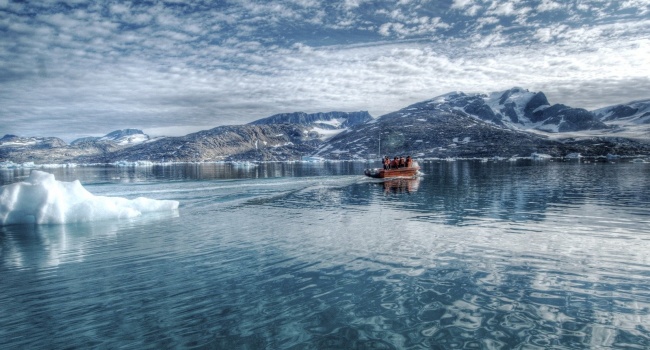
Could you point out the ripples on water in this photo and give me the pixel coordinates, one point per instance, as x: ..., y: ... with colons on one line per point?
x: 472, y: 255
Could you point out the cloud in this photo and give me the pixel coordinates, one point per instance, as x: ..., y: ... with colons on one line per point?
x: 461, y: 4
x: 506, y: 8
x: 548, y: 5
x: 104, y: 67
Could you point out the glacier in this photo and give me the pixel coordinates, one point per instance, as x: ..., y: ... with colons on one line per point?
x: 41, y: 199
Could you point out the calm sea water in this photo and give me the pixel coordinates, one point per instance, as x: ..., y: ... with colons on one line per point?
x: 472, y: 255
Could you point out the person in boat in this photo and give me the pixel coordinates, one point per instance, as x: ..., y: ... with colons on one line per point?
x: 409, y: 161
x: 386, y: 163
x: 394, y: 163
x: 402, y: 162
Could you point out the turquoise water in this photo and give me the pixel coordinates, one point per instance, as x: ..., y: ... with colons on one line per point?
x: 472, y: 255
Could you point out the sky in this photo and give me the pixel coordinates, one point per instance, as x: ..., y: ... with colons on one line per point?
x: 76, y: 68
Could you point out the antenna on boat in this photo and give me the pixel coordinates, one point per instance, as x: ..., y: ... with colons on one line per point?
x: 379, y: 143
x: 379, y: 146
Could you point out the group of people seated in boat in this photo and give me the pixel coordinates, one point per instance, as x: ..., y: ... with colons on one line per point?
x: 398, y: 162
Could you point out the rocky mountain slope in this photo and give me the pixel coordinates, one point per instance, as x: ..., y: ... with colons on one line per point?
x: 45, y: 150
x: 441, y: 128
x: 519, y: 109
x: 515, y: 122
x: 235, y: 142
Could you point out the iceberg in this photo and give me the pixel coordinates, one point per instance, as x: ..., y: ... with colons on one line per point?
x: 540, y: 156
x: 43, y: 200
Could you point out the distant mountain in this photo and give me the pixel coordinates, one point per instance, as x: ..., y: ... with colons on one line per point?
x: 16, y: 142
x: 519, y: 109
x: 232, y: 142
x: 427, y: 130
x: 635, y: 113
x: 320, y: 125
x: 509, y: 123
x: 120, y: 137
x: 479, y: 125
x: 54, y: 150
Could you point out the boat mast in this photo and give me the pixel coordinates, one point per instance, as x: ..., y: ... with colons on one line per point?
x: 379, y: 143
x: 379, y: 152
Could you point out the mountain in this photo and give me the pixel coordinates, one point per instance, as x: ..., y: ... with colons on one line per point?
x: 15, y: 142
x: 442, y: 127
x: 427, y: 129
x: 320, y: 125
x: 636, y: 113
x: 54, y: 150
x: 120, y: 137
x: 233, y: 142
x: 508, y: 123
x: 520, y: 109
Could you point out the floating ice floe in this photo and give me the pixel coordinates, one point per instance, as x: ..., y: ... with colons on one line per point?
x: 573, y: 155
x: 540, y: 156
x: 43, y: 200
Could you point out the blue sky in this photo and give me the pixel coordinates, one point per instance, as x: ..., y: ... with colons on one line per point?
x: 77, y: 68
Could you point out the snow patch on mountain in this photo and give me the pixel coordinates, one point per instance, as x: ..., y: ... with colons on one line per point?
x: 322, y: 126
x: 124, y: 137
x: 325, y: 134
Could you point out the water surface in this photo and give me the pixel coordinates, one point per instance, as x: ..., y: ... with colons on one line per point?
x: 495, y: 255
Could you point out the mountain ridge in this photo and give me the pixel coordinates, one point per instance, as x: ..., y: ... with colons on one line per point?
x: 514, y: 122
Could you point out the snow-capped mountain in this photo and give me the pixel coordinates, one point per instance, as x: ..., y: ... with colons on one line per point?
x: 13, y: 141
x: 319, y: 125
x: 122, y: 137
x: 633, y: 113
x: 510, y: 123
x: 282, y: 141
x: 478, y: 125
x: 631, y: 120
x: 519, y: 109
x: 427, y: 129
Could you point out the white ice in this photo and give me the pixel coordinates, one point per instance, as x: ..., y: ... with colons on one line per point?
x: 43, y: 200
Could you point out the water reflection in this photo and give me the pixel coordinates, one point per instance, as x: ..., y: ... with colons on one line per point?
x: 189, y: 171
x: 30, y: 246
x: 400, y: 186
x: 43, y: 246
x: 459, y: 192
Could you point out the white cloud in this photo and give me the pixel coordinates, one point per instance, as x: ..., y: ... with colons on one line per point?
x: 119, y: 9
x: 461, y: 4
x: 547, y: 34
x: 483, y: 21
x: 548, y: 5
x: 507, y: 8
x: 79, y: 69
x: 351, y: 4
x: 641, y: 6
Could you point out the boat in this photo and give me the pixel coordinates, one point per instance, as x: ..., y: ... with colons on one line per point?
x: 380, y: 173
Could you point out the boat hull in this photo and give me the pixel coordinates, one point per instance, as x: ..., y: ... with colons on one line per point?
x: 391, y: 173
